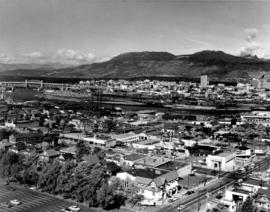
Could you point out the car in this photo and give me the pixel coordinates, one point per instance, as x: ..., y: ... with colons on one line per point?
x: 74, y: 208
x: 65, y: 210
x: 6, y: 204
x: 15, y: 202
x: 9, y: 188
x: 33, y: 188
x: 181, y: 207
x: 147, y: 203
x: 171, y: 200
x: 189, y: 192
x: 218, y: 197
x: 7, y: 183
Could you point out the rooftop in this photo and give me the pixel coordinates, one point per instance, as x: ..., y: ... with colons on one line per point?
x: 171, y: 165
x: 153, y: 161
x: 147, y: 173
x: 238, y: 190
x: 134, y: 157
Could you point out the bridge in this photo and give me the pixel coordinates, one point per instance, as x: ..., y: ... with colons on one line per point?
x: 34, y: 84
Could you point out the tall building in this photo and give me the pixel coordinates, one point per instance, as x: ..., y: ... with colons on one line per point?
x: 204, y: 81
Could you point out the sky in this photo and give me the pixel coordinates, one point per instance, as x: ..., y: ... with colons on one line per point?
x: 86, y: 31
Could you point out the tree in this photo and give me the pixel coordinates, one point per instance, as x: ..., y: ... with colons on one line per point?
x: 48, y: 177
x: 9, y: 164
x: 108, y: 197
x: 81, y: 150
x: 136, y: 199
x: 248, y: 205
x: 65, y: 180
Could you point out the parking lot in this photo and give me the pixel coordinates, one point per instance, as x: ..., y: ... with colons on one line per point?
x: 32, y: 201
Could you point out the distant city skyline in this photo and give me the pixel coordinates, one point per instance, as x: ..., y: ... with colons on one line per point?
x: 86, y: 31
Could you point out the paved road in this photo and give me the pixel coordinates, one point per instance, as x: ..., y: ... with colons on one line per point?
x: 192, y: 201
x: 33, y: 201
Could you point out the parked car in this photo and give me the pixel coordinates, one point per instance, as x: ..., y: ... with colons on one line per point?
x: 74, y: 208
x: 189, y: 192
x: 6, y: 204
x: 15, y: 202
x: 65, y: 210
x: 218, y: 197
x: 9, y: 188
x: 172, y: 200
x: 33, y: 188
x: 181, y: 207
x: 147, y: 203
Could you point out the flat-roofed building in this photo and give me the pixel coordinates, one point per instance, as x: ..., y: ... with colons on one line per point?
x: 223, y: 161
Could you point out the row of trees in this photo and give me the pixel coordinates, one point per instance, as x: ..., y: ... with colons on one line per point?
x: 82, y: 182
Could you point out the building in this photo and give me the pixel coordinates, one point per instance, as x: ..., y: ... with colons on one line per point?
x: 204, y: 81
x: 262, y: 200
x: 153, y: 184
x: 223, y: 161
x: 257, y: 117
x: 100, y: 141
x: 49, y: 155
x: 129, y: 138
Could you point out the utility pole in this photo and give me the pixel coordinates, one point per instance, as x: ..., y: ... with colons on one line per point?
x: 199, y: 200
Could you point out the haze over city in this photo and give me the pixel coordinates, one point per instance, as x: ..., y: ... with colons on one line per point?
x: 82, y: 31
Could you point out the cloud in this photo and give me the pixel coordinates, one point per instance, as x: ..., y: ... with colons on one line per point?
x: 71, y: 56
x: 4, y: 58
x: 250, y: 49
x: 251, y: 34
x: 35, y: 55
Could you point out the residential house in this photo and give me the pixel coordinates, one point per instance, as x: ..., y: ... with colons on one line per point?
x: 153, y: 184
x: 49, y: 155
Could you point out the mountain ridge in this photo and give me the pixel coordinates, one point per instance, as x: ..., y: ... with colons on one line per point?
x: 215, y: 64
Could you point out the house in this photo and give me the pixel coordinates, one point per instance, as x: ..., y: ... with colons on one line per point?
x: 69, y: 150
x: 253, y: 185
x: 66, y: 157
x: 153, y: 184
x: 262, y: 200
x: 233, y: 197
x: 49, y: 155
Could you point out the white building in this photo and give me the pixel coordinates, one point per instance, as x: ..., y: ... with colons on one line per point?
x: 224, y: 161
x: 204, y: 81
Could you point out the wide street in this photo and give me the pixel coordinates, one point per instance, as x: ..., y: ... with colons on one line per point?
x: 32, y: 201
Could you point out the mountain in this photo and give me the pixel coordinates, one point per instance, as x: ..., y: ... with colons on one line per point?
x: 216, y: 64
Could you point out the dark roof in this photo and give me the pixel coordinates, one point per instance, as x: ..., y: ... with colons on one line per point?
x: 171, y: 165
x: 68, y: 156
x: 265, y: 192
x: 240, y: 191
x: 256, y: 182
x: 112, y: 166
x: 134, y: 157
x: 147, y: 173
